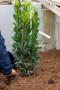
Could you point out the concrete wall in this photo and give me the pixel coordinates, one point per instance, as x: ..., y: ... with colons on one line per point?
x: 57, y: 31
x: 6, y: 24
x: 49, y: 28
x: 6, y: 27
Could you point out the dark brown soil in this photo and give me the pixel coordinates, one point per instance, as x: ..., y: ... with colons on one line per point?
x: 46, y: 77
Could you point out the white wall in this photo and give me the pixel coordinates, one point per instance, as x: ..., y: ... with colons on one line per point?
x: 6, y: 24
x: 57, y: 31
x: 49, y: 28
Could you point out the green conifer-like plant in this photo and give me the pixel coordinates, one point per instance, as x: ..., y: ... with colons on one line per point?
x: 25, y: 45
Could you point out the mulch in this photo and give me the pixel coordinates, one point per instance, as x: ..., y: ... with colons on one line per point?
x: 46, y: 76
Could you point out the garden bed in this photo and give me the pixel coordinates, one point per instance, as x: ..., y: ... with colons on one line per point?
x: 46, y: 77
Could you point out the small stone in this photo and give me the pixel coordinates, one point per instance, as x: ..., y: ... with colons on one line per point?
x: 50, y: 81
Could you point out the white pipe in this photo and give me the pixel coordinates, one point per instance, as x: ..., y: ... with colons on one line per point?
x: 44, y: 34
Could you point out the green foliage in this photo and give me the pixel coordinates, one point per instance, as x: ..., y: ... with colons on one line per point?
x: 26, y: 24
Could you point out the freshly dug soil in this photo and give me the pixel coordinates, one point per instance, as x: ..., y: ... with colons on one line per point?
x: 46, y: 77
